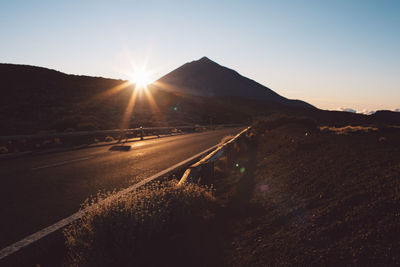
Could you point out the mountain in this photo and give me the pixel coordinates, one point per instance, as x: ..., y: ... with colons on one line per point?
x: 35, y: 99
x: 387, y: 116
x: 204, y: 77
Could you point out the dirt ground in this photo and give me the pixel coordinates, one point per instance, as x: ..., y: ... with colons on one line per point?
x: 297, y: 196
x: 308, y: 197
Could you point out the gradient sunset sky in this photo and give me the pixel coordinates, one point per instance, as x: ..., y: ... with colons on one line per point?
x: 332, y: 54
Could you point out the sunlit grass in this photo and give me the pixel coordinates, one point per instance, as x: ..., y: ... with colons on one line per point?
x: 122, y: 230
x: 226, y: 138
x: 348, y: 129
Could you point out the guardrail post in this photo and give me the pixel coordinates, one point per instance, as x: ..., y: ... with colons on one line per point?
x: 204, y: 169
x: 191, y: 175
x: 243, y: 144
x: 230, y: 151
x: 141, y: 133
x: 207, y: 172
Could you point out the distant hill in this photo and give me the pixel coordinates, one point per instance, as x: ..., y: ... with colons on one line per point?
x: 35, y: 99
x: 387, y: 116
x: 204, y: 77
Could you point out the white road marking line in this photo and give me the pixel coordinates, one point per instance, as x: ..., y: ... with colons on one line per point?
x: 64, y: 222
x: 61, y: 163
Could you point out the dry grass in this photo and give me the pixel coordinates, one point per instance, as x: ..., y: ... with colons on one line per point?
x: 3, y: 150
x: 109, y: 139
x: 226, y: 138
x: 138, y: 228
x: 348, y: 129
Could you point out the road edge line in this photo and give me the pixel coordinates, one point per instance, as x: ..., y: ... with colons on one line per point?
x: 11, y: 249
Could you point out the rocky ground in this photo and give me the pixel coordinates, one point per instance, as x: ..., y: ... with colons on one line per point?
x: 301, y: 196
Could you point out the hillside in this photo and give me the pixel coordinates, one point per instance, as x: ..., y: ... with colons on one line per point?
x: 36, y: 99
x: 312, y: 197
x: 205, y: 77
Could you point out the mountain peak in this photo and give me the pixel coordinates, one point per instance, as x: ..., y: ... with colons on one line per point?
x: 204, y: 77
x: 205, y: 60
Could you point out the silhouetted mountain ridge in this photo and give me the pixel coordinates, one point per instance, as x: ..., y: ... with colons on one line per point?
x: 205, y: 77
x: 35, y: 99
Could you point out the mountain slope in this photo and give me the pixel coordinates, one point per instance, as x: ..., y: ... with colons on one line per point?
x: 35, y: 99
x: 204, y: 77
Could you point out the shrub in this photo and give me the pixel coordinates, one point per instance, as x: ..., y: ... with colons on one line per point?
x: 3, y: 150
x: 226, y: 138
x: 109, y: 139
x: 132, y: 229
x: 348, y: 129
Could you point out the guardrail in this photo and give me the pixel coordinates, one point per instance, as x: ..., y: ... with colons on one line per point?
x: 20, y: 144
x: 87, y: 133
x: 110, y: 132
x: 11, y: 249
x: 204, y: 169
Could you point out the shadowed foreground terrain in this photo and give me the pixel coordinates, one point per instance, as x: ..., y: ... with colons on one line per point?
x: 315, y: 198
x: 297, y: 195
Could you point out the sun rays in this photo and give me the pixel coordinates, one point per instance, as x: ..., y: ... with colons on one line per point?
x: 138, y: 83
x: 129, y: 110
x: 112, y: 91
x: 141, y: 78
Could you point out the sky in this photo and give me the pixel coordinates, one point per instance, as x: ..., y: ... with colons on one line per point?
x: 331, y: 53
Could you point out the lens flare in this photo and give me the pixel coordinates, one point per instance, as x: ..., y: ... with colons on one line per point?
x: 138, y: 83
x: 141, y: 78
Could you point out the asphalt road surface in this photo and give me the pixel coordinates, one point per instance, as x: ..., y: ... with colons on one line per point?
x: 37, y: 191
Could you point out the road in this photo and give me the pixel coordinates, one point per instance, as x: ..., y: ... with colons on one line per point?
x: 37, y: 191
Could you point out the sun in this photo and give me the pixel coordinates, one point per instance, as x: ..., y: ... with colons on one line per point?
x: 141, y: 78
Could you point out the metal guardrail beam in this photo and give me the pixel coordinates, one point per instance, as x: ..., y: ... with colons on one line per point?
x: 11, y: 249
x: 97, y: 132
x: 86, y: 133
x: 205, y: 167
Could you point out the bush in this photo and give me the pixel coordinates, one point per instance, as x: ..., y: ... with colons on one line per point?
x: 348, y: 129
x: 109, y: 139
x: 226, y: 138
x: 3, y: 150
x: 131, y: 230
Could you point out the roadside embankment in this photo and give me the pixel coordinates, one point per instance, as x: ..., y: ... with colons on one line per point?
x: 306, y: 197
x: 294, y: 194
